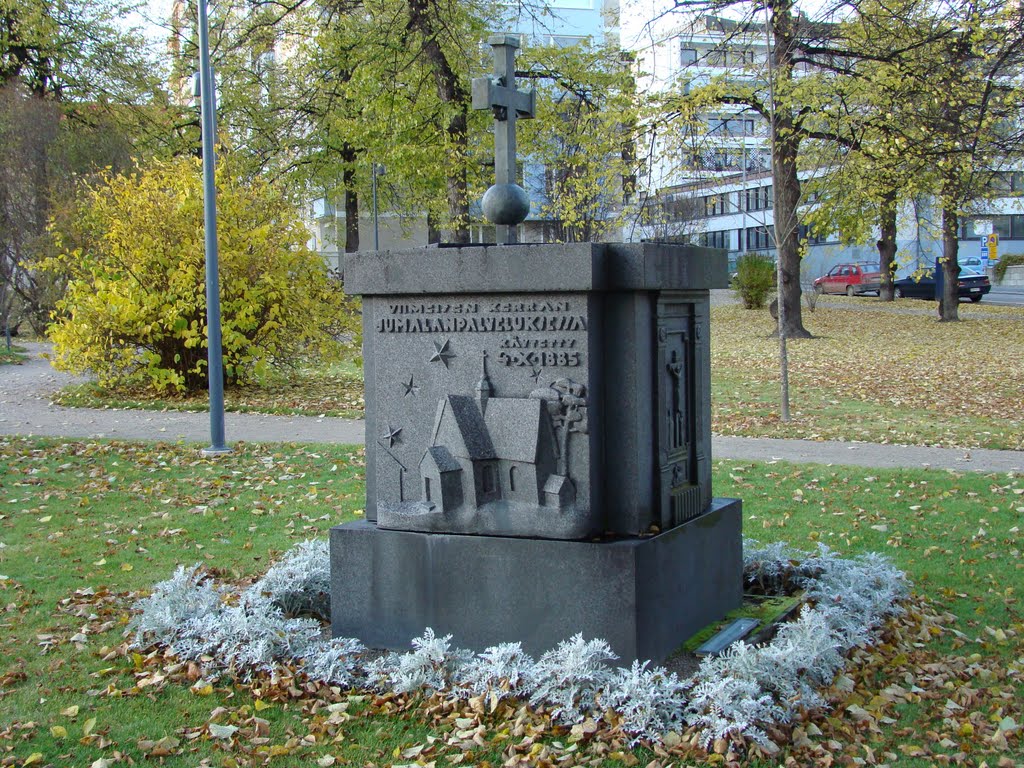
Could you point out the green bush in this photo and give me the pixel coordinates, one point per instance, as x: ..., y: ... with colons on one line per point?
x: 1014, y: 260
x: 755, y: 279
x: 134, y: 312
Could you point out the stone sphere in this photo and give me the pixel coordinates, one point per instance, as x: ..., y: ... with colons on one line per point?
x: 506, y: 204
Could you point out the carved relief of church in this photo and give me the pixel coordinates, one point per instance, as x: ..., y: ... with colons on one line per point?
x: 498, y: 458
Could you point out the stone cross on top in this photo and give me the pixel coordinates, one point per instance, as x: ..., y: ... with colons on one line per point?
x: 506, y: 203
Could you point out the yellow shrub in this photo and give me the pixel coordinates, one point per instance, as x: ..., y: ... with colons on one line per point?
x: 135, y: 308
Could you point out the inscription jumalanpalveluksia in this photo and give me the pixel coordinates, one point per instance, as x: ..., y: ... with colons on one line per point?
x: 537, y: 444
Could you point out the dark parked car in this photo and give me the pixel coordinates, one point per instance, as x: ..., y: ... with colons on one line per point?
x: 973, y: 285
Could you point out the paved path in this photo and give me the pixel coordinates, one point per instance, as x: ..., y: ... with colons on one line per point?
x: 867, y: 454
x: 25, y: 409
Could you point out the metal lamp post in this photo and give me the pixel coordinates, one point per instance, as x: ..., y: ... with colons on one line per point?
x: 215, y: 363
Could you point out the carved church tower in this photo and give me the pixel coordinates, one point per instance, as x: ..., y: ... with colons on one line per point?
x: 484, y: 388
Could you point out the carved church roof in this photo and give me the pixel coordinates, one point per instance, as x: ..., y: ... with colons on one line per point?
x: 511, y: 428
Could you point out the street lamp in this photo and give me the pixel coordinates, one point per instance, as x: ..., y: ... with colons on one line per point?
x: 376, y: 169
x: 215, y: 362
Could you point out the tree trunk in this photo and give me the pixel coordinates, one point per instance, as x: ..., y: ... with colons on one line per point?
x: 785, y: 146
x: 949, y: 301
x: 457, y: 186
x: 351, y: 220
x: 348, y: 176
x: 887, y: 245
x: 433, y: 233
x: 425, y: 17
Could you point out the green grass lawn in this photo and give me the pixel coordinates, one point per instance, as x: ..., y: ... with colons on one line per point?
x: 87, y: 527
x: 11, y: 356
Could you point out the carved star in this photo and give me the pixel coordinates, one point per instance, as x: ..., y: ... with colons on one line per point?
x: 535, y: 375
x: 391, y: 436
x: 410, y: 387
x: 441, y: 353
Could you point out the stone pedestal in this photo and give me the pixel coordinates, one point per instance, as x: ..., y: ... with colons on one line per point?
x: 537, y: 416
x: 644, y: 596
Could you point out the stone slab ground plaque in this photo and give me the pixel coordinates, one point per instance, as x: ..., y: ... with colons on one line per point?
x: 538, y: 449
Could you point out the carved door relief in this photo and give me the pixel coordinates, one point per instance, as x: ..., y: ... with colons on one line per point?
x: 676, y: 420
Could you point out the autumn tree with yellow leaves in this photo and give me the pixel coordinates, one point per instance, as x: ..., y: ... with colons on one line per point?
x: 134, y: 312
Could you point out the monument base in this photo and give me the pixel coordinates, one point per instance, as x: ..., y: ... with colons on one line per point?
x: 645, y: 596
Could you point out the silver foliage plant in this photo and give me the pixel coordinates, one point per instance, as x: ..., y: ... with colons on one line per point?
x: 250, y: 636
x: 748, y: 687
x: 432, y: 665
x: 184, y: 597
x: 500, y: 671
x: 741, y: 692
x: 729, y: 706
x: 650, y: 701
x: 300, y: 582
x: 335, y: 661
x: 568, y: 678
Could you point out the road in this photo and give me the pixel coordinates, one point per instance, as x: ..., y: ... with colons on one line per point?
x: 1006, y: 296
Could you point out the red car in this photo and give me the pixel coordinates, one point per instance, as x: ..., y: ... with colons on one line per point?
x: 851, y: 279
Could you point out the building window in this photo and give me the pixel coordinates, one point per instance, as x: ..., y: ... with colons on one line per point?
x: 760, y: 238
x: 715, y: 205
x: 1007, y: 227
x: 758, y: 198
x: 1008, y: 182
x: 719, y: 239
x: 730, y: 126
x: 512, y: 479
x: 426, y: 489
x: 718, y: 160
x: 687, y: 56
x: 565, y: 41
x: 730, y: 56
x: 804, y: 234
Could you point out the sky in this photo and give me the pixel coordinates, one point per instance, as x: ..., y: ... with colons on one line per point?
x: 153, y: 20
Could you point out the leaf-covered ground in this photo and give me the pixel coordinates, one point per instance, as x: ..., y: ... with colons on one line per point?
x: 874, y: 373
x: 312, y: 391
x: 85, y: 528
x: 11, y: 356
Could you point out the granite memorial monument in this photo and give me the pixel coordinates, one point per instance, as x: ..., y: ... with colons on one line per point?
x: 538, y: 437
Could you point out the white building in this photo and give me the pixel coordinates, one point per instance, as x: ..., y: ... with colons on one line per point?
x: 710, y: 182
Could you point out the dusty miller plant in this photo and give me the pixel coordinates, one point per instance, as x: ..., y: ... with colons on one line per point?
x: 499, y: 671
x: 300, y: 582
x: 650, y: 701
x: 774, y: 568
x: 184, y: 597
x: 723, y: 706
x: 740, y: 692
x: 567, y: 678
x: 250, y: 636
x: 334, y: 661
x: 432, y: 664
x: 855, y: 595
